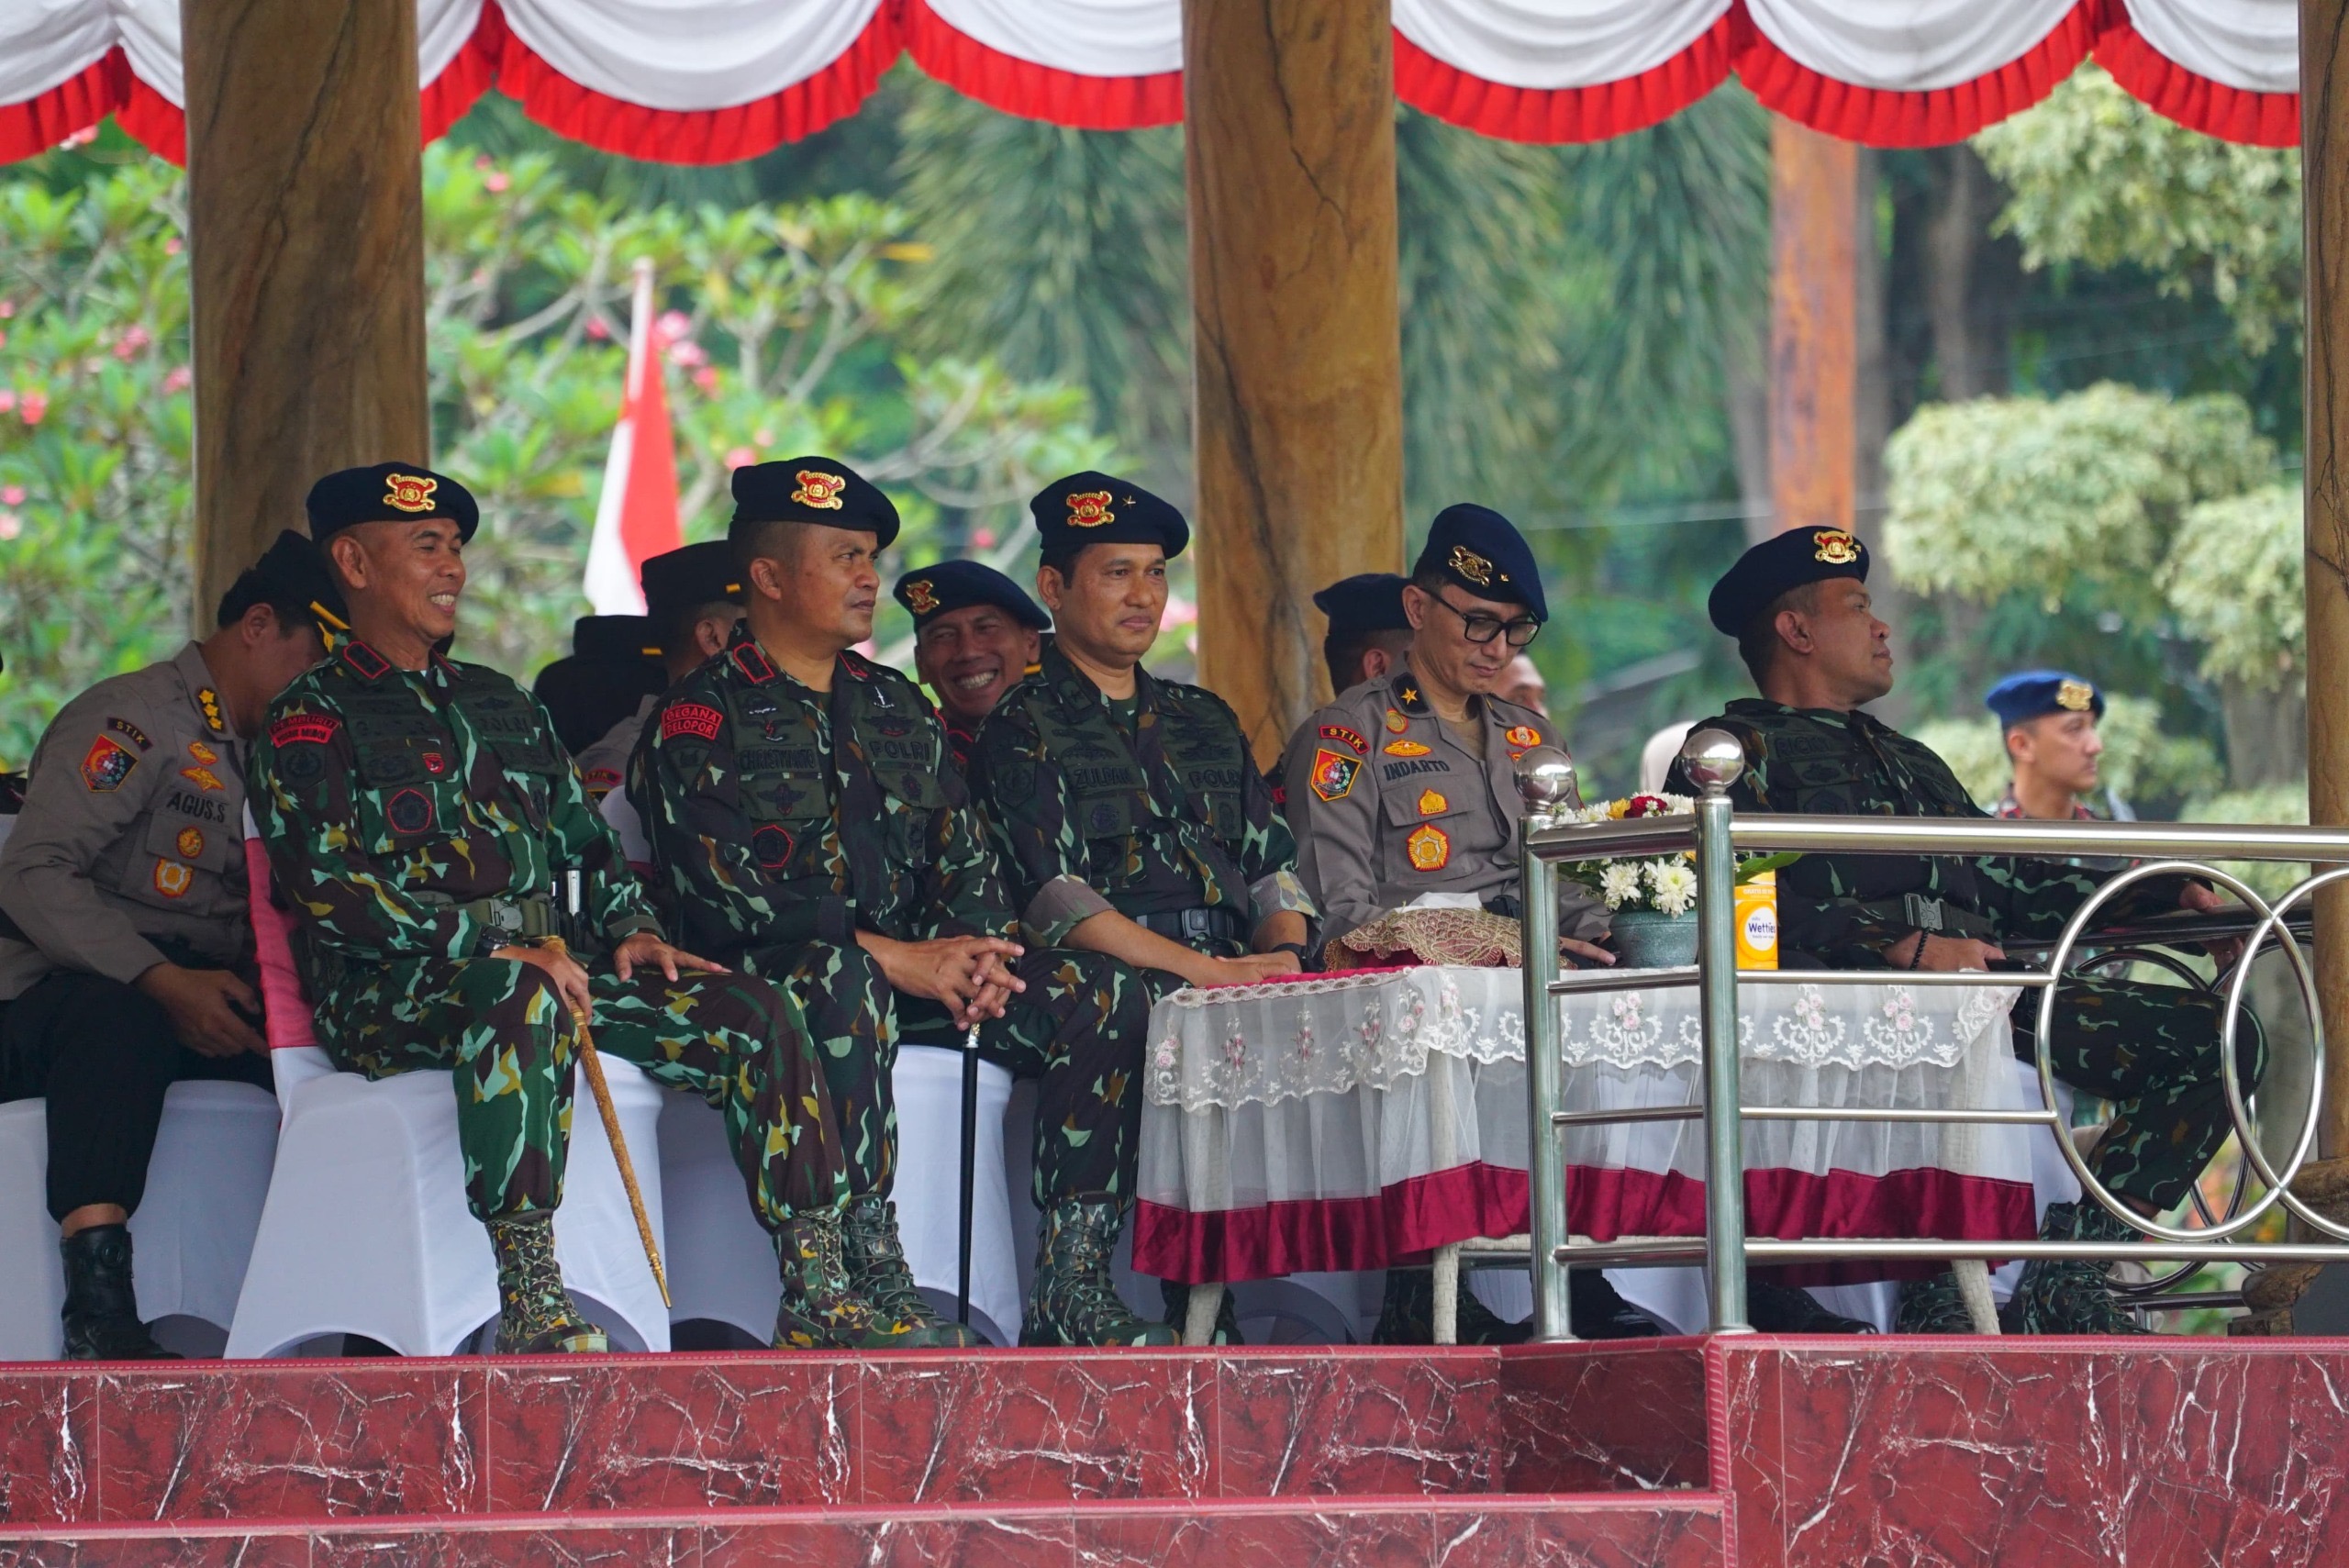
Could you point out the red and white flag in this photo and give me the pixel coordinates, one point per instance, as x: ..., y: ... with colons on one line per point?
x: 638, y: 515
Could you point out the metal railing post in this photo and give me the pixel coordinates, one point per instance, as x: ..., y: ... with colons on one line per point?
x: 1714, y: 761
x: 1544, y: 782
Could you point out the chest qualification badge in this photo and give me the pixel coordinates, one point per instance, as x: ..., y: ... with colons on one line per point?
x: 1429, y: 848
x: 1334, y: 773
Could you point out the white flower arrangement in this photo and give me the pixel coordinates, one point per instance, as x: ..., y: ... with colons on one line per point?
x: 1667, y: 884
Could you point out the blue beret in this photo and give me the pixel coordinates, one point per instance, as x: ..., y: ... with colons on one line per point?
x: 1100, y: 508
x: 1482, y: 551
x: 957, y: 585
x: 1779, y: 565
x: 2032, y: 693
x: 679, y: 580
x: 388, y: 493
x: 1371, y: 602
x: 821, y: 489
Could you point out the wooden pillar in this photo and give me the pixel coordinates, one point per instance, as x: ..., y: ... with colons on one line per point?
x: 1814, y: 184
x: 1290, y: 147
x: 2324, y: 131
x: 306, y: 219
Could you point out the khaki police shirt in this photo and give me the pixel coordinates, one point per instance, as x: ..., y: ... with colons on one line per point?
x: 1387, y: 805
x: 132, y: 833
x: 603, y: 766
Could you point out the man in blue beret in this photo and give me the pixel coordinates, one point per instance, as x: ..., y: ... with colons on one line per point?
x: 1799, y: 608
x: 977, y: 635
x: 693, y: 600
x: 2049, y: 720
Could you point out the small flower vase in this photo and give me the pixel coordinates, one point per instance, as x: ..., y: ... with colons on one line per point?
x: 1649, y: 938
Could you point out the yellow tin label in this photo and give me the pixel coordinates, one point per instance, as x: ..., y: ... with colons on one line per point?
x: 1757, y: 922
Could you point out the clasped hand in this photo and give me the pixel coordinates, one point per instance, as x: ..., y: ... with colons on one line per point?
x: 971, y: 976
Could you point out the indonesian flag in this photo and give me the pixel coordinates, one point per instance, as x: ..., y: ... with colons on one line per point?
x: 638, y: 515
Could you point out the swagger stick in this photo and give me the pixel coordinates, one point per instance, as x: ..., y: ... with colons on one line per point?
x: 970, y: 1174
x: 594, y: 1064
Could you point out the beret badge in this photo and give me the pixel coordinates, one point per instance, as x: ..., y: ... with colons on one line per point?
x: 409, y: 492
x: 920, y: 597
x: 1090, y: 510
x: 1471, y: 565
x: 1836, y: 546
x: 2074, y: 696
x: 819, y: 489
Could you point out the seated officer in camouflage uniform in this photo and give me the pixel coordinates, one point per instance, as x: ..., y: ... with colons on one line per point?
x: 418, y: 812
x: 975, y: 637
x: 1799, y: 608
x: 1405, y: 784
x: 809, y: 825
x: 126, y: 961
x: 1130, y: 819
x: 693, y: 601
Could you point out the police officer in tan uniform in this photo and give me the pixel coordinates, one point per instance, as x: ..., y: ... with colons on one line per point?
x: 126, y: 953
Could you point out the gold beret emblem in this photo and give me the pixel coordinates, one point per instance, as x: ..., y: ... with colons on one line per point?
x: 920, y: 597
x: 409, y: 492
x: 819, y: 490
x: 1471, y: 565
x: 1836, y: 546
x: 1090, y: 510
x: 2075, y: 696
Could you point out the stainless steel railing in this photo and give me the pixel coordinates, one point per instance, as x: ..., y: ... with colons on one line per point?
x: 1716, y: 836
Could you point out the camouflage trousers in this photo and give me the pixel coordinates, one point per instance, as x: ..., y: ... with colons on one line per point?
x: 1079, y: 1030
x: 499, y: 1026
x: 2154, y: 1051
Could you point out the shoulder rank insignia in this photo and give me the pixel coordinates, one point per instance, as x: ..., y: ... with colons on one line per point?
x: 209, y: 701
x: 751, y: 660
x: 690, y: 718
x: 1523, y: 735
x: 1090, y: 510
x: 1836, y: 546
x: 365, y: 661
x: 1429, y: 847
x: 1404, y: 748
x: 1334, y: 773
x: 2075, y: 696
x: 1396, y: 722
x: 131, y: 732
x: 1433, y: 803
x: 172, y: 879
x: 1344, y: 736
x: 106, y: 764
x: 204, y: 778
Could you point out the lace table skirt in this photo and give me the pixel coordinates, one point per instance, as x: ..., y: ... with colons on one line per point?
x: 1348, y: 1121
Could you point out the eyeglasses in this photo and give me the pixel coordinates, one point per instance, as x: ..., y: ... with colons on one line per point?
x: 1481, y: 627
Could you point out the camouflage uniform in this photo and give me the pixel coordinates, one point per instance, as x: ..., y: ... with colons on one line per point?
x: 784, y: 820
x: 2153, y: 1050
x: 417, y: 821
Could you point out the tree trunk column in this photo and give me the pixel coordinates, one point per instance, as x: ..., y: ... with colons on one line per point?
x: 1290, y: 144
x: 1814, y: 348
x: 2324, y: 128
x: 305, y: 216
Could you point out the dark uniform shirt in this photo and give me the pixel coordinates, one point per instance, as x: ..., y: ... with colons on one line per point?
x: 1844, y: 911
x: 1151, y: 812
x: 408, y: 813
x: 779, y: 814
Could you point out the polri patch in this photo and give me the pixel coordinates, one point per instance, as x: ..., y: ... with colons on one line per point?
x: 691, y: 718
x: 106, y: 764
x: 1339, y: 732
x: 172, y: 879
x: 1334, y: 773
x: 131, y: 732
x: 1429, y: 847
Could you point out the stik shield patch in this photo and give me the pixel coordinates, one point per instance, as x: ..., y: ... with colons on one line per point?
x: 1334, y: 773
x: 106, y: 764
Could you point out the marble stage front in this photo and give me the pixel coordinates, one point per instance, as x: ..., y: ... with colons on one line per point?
x: 1756, y: 1451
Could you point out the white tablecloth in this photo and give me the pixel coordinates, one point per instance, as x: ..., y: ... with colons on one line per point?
x: 1347, y: 1121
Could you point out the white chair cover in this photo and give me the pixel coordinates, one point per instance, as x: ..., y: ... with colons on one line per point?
x: 193, y: 1233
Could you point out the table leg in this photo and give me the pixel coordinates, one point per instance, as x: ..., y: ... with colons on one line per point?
x: 1199, y: 1318
x: 1447, y: 1294
x: 1974, y: 1285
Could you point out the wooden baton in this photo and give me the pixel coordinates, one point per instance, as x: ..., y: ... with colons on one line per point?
x: 592, y: 1066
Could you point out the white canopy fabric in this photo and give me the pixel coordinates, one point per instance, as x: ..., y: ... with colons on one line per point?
x: 711, y: 80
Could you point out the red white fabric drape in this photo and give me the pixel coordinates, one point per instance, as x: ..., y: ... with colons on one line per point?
x: 708, y: 81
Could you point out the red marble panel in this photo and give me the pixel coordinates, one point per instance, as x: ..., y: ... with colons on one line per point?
x: 673, y: 1432
x: 551, y: 1545
x: 47, y: 1447
x: 301, y: 1439
x: 103, y: 1551
x: 1267, y: 1536
x: 1601, y: 1417
x: 990, y: 1538
x: 1658, y: 1535
x: 1364, y: 1423
x: 1012, y: 1427
x: 1743, y: 1388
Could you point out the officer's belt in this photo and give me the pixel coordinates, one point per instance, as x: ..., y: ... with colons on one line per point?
x: 1191, y: 927
x: 1935, y: 917
x: 523, y: 918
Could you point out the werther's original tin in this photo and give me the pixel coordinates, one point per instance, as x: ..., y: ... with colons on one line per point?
x: 1757, y: 922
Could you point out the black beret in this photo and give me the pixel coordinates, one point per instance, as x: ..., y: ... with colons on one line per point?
x: 811, y: 490
x: 1482, y: 551
x: 2033, y: 694
x: 612, y: 637
x: 957, y: 585
x: 1371, y: 602
x: 1100, y: 508
x: 602, y: 681
x: 292, y: 569
x: 389, y: 493
x: 682, y: 579
x: 1778, y: 565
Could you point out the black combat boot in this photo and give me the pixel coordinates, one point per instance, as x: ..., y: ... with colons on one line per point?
x: 876, y: 1268
x: 1407, y: 1315
x: 2071, y: 1297
x: 1782, y: 1309
x: 1932, y: 1305
x: 1075, y: 1302
x: 101, y: 1310
x: 534, y: 1314
x: 821, y: 1308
